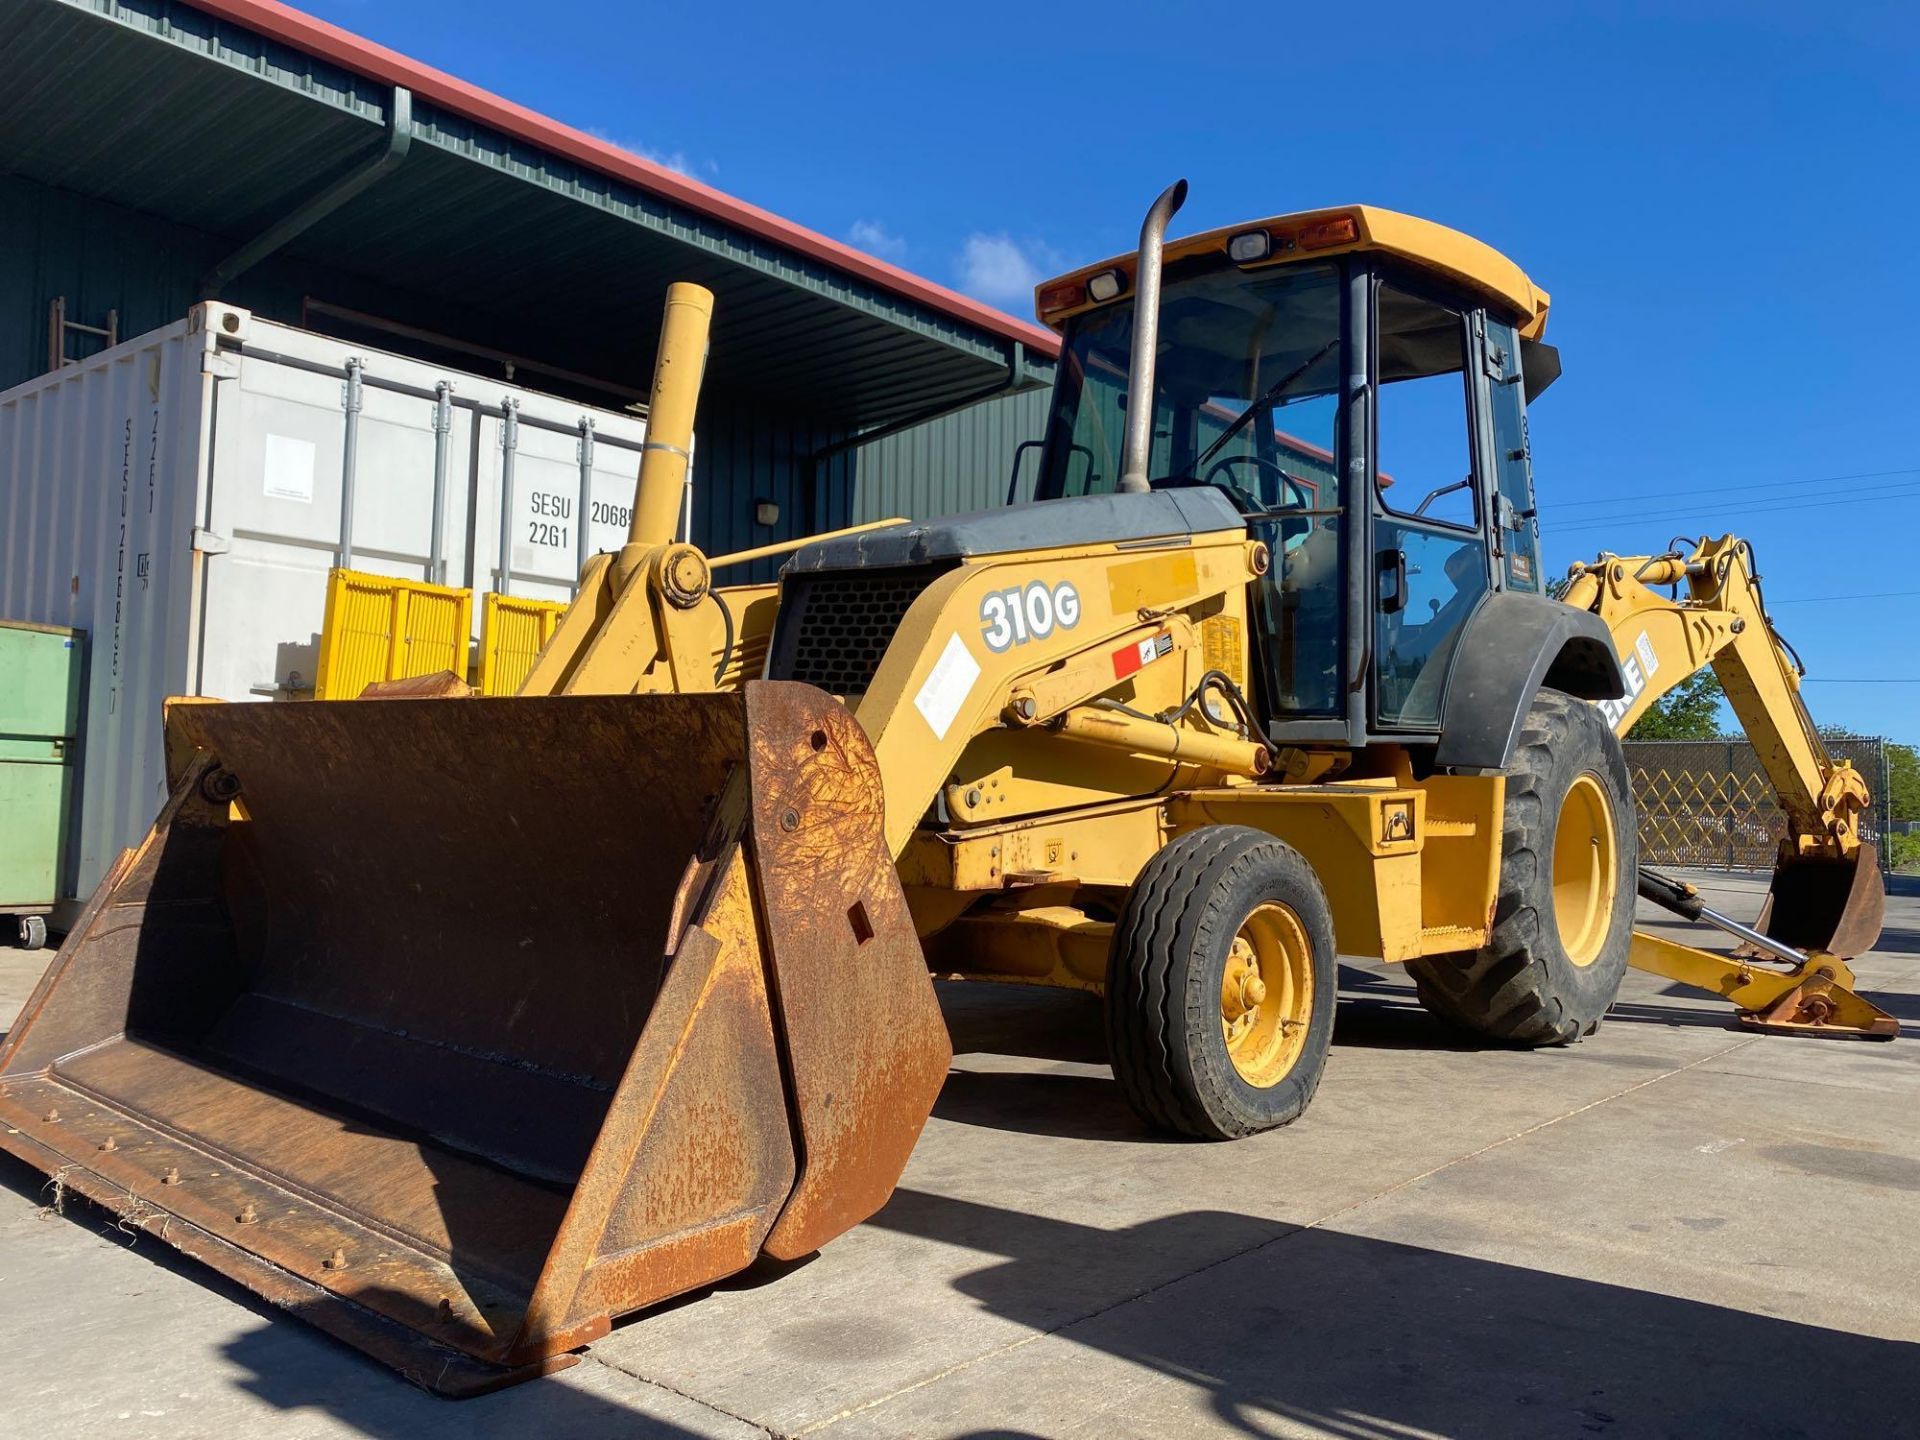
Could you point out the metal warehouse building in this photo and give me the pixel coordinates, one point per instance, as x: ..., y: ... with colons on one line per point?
x: 158, y: 154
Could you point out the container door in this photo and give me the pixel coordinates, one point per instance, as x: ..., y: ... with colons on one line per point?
x: 275, y: 505
x: 561, y: 480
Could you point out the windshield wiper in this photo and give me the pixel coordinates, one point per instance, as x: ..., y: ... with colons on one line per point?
x: 1259, y: 407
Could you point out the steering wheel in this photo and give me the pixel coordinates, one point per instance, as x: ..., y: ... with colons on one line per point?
x: 1296, y: 493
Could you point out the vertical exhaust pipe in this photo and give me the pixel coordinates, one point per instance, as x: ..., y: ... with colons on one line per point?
x: 1146, y: 339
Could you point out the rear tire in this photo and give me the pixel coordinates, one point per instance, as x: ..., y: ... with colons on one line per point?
x: 1563, y: 922
x: 1221, y: 985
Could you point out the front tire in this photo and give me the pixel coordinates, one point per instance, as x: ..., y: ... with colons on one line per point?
x: 1563, y: 922
x: 1221, y: 985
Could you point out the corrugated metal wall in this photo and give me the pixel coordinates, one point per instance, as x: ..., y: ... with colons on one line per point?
x: 105, y: 257
x: 950, y: 466
x: 744, y: 456
x: 946, y: 467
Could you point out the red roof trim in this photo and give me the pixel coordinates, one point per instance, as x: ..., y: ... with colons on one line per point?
x: 328, y: 42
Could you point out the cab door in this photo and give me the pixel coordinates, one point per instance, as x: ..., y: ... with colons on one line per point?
x: 1430, y: 498
x: 1515, y: 529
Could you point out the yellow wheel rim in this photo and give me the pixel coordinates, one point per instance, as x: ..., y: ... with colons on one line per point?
x: 1266, y: 995
x: 1585, y: 870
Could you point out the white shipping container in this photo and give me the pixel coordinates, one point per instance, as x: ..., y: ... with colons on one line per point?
x: 179, y: 497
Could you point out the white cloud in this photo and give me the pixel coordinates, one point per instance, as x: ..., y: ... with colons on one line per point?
x: 874, y: 238
x: 1003, y: 271
x: 671, y: 159
x: 675, y: 160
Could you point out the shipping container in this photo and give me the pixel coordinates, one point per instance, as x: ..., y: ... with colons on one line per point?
x: 182, y: 496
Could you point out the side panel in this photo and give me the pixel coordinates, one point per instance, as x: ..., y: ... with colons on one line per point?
x: 1515, y: 643
x: 1363, y: 842
x: 99, y: 467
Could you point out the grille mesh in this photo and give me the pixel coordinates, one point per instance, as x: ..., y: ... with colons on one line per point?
x: 843, y: 625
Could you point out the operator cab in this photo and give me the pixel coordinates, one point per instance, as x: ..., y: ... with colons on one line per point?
x: 1355, y: 382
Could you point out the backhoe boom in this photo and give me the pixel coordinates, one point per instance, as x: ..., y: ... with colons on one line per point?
x: 1827, y: 901
x: 1664, y: 640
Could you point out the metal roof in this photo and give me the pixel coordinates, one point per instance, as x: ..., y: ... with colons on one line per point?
x: 228, y: 115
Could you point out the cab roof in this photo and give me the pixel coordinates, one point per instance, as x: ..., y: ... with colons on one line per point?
x: 1316, y: 234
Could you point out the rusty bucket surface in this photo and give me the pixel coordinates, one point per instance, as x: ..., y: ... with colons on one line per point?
x: 461, y: 1027
x: 1818, y: 903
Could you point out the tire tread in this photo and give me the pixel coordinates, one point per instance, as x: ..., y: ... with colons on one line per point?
x: 1505, y: 990
x: 1155, y: 1014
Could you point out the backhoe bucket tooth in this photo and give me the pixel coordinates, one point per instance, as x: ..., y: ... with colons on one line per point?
x: 1836, y: 906
x: 461, y: 1027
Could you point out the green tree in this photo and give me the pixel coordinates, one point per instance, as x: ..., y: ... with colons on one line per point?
x: 1689, y: 711
x: 1903, y: 772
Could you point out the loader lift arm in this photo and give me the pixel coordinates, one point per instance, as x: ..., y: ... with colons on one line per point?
x: 1827, y: 901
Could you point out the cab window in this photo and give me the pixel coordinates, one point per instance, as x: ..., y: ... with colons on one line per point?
x: 1430, y: 549
x: 1425, y: 462
x: 1246, y: 399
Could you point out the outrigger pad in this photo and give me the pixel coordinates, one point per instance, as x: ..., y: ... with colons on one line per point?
x: 1836, y: 906
x: 463, y: 1028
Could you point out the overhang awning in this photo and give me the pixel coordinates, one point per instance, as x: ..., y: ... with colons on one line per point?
x: 230, y: 116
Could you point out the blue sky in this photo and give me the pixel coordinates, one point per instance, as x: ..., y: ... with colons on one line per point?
x: 1723, y: 199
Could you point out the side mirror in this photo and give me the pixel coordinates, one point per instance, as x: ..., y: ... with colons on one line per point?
x: 1539, y: 366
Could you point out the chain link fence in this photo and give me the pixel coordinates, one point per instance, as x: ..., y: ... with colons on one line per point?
x: 1708, y: 803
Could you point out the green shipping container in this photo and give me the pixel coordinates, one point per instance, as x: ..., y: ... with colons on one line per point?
x: 41, y: 670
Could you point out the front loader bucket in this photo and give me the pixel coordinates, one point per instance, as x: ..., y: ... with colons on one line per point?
x: 1838, y: 906
x: 461, y: 1027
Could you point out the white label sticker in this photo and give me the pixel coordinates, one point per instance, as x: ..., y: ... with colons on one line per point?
x: 287, y: 473
x: 947, y: 686
x: 1634, y: 670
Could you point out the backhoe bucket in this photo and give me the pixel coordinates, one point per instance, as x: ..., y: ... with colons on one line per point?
x: 462, y: 1026
x: 1837, y: 906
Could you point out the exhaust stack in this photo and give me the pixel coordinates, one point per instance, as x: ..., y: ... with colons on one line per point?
x: 1146, y: 339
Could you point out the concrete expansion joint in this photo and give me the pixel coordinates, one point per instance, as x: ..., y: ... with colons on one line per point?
x: 1795, y: 1082
x: 704, y: 1404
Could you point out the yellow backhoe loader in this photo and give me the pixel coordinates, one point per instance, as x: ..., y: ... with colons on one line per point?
x: 463, y: 1026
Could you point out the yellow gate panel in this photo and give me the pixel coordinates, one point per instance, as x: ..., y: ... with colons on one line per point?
x: 380, y: 628
x: 513, y: 630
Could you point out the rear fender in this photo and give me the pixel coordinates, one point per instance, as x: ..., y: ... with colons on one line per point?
x: 1515, y: 644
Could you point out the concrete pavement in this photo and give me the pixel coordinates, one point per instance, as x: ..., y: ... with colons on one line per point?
x: 1673, y: 1228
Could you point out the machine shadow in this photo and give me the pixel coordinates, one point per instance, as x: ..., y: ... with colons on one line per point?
x: 1030, y: 1021
x: 1369, y: 1338
x: 298, y: 1369
x: 1064, y: 1026
x: 296, y: 1372
x: 1074, y: 1096
x: 1903, y: 1005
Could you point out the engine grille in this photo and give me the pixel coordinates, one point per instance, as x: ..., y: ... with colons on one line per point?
x: 835, y: 627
